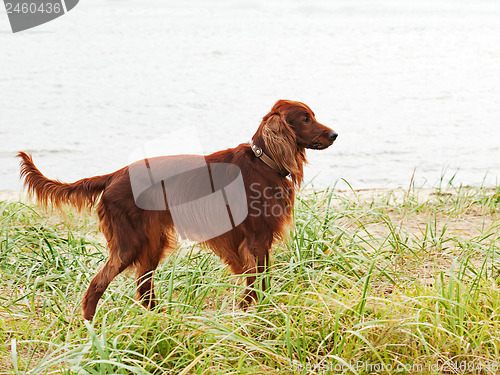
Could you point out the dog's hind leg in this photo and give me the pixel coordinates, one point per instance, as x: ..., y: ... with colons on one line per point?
x: 100, y: 282
x: 145, y: 285
x: 144, y: 274
x: 122, y: 253
x: 148, y: 261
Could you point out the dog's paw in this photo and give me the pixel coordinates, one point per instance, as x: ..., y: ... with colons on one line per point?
x: 249, y: 298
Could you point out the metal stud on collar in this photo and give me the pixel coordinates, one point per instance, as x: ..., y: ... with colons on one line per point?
x: 257, y: 150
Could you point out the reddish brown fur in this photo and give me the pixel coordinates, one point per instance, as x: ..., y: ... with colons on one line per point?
x: 139, y: 238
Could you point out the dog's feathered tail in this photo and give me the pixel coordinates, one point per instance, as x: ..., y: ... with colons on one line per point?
x: 81, y: 194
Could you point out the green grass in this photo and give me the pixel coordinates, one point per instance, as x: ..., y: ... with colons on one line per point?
x: 393, y: 282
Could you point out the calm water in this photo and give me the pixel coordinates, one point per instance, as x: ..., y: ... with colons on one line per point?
x: 405, y: 84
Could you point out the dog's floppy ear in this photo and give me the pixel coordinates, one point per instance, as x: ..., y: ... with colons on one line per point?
x: 280, y: 142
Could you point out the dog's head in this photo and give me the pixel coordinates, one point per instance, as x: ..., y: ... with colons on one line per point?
x: 288, y: 129
x: 301, y: 121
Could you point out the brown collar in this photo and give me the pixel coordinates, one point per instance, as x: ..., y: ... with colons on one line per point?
x: 266, y: 159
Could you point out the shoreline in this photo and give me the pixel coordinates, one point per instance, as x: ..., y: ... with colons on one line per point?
x: 362, y: 194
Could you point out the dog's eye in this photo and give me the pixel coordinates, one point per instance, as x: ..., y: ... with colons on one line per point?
x: 305, y: 120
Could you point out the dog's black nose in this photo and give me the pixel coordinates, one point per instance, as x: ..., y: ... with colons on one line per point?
x: 332, y: 136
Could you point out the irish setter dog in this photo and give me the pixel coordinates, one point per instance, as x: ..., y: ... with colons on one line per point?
x: 236, y: 202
